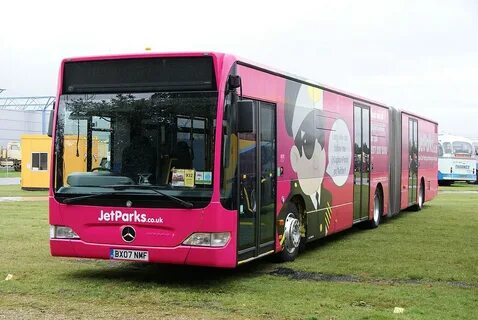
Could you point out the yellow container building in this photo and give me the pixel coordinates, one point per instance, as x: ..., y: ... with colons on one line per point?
x: 35, y: 161
x: 36, y: 158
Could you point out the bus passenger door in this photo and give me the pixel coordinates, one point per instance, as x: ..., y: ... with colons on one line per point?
x: 361, y: 162
x: 413, y: 161
x: 257, y: 184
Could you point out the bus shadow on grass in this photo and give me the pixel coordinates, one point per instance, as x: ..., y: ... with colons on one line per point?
x: 356, y: 230
x: 171, y: 275
x: 193, y: 276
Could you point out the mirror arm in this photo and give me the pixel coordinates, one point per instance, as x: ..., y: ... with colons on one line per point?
x: 235, y: 82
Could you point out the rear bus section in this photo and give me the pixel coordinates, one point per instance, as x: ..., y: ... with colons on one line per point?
x: 413, y: 161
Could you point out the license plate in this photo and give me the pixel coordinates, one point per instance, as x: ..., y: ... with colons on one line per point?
x: 135, y: 255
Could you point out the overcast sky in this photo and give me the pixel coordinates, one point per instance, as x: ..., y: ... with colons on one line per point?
x: 421, y: 56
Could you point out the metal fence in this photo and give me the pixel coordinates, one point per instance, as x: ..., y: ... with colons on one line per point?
x: 23, y: 115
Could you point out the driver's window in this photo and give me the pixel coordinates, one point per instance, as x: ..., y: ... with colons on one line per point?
x: 101, y: 143
x: 87, y: 144
x: 447, y: 147
x: 75, y: 145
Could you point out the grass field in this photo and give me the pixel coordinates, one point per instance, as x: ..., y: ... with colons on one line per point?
x: 16, y: 191
x: 460, y: 186
x: 9, y: 174
x: 426, y: 263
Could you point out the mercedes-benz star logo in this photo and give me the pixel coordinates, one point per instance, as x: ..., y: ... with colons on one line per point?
x: 128, y: 233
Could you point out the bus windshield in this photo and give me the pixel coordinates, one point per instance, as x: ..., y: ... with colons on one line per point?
x: 462, y: 147
x: 158, y: 139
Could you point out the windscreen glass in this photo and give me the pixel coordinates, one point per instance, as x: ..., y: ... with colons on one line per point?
x: 462, y: 147
x: 159, y: 139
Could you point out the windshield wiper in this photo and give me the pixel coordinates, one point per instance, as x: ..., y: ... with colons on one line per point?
x: 88, y: 196
x: 184, y: 203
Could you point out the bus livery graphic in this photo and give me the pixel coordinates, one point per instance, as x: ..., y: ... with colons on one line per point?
x: 306, y: 124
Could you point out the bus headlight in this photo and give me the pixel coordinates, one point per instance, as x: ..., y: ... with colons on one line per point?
x: 60, y: 232
x: 206, y: 239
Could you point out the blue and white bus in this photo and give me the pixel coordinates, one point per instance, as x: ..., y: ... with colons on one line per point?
x: 456, y: 159
x: 475, y: 155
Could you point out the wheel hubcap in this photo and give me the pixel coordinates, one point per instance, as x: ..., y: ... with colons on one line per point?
x: 376, y: 209
x: 292, y: 233
x: 420, y: 198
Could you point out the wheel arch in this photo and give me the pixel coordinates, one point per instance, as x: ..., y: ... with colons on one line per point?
x: 422, y: 186
x: 299, y: 202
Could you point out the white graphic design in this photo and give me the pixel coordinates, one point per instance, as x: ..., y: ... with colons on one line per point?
x: 339, y: 153
x: 120, y: 216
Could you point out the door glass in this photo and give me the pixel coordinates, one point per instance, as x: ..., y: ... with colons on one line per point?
x: 248, y: 183
x: 413, y: 160
x: 268, y: 176
x: 361, y: 161
x: 365, y: 162
x: 101, y: 127
x: 357, y: 160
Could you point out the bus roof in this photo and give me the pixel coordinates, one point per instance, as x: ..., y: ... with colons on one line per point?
x: 142, y: 55
x: 444, y: 137
x: 307, y: 81
x: 417, y: 116
x: 219, y: 55
x: 245, y: 62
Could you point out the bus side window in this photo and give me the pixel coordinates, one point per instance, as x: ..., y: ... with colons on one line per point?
x: 440, y: 150
x: 447, y: 147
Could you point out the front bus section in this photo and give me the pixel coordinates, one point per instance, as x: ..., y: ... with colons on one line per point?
x: 134, y: 141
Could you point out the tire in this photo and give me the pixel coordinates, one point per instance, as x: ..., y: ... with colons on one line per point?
x: 421, y: 198
x: 377, y: 210
x: 292, y: 236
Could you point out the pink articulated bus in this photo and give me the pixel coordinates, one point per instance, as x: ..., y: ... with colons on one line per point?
x: 208, y: 159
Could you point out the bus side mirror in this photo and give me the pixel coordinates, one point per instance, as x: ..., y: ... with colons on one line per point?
x: 50, y: 125
x: 234, y: 82
x: 245, y: 116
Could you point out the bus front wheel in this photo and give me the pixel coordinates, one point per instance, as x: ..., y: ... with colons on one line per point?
x: 291, y: 235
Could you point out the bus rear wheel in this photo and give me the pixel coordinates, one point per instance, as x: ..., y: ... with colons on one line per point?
x: 377, y: 210
x: 421, y: 198
x: 291, y: 235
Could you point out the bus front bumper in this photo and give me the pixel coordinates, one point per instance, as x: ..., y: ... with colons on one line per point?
x: 223, y: 257
x: 456, y: 176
